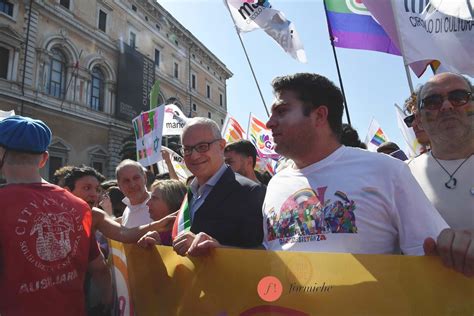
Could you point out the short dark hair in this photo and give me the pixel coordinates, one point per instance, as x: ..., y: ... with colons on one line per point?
x: 78, y: 172
x: 387, y: 147
x: 116, y: 196
x: 315, y: 90
x: 350, y: 137
x: 243, y: 147
x: 108, y: 184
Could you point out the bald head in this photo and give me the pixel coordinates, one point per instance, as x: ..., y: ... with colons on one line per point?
x: 445, y: 108
x: 441, y: 79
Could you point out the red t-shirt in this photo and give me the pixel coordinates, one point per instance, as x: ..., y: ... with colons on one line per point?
x: 45, y: 238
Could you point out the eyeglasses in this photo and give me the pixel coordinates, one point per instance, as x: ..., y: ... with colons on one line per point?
x: 200, y: 148
x: 409, y: 120
x: 456, y: 97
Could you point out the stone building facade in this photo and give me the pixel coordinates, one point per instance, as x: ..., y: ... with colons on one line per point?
x: 59, y: 62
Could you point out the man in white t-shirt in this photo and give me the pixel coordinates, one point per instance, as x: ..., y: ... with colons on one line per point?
x: 446, y: 174
x: 131, y: 180
x: 341, y: 199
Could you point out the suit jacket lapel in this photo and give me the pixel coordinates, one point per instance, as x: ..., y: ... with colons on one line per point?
x: 219, y: 192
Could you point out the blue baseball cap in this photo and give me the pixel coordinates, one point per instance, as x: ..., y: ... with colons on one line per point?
x: 24, y: 134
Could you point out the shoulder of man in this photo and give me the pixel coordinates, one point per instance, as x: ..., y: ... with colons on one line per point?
x: 244, y: 181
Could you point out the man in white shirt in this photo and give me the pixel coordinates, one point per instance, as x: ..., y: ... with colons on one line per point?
x: 341, y: 199
x: 446, y: 174
x: 131, y: 180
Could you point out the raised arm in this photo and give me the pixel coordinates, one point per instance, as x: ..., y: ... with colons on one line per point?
x: 167, y: 157
x: 113, y: 230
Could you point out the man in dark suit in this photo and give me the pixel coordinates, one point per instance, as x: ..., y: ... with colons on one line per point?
x: 224, y: 208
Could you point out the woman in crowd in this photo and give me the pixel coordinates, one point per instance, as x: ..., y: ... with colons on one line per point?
x: 166, y: 198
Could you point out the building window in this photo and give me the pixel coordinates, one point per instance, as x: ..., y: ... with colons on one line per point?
x: 176, y: 70
x: 193, y: 81
x: 102, y: 20
x: 133, y: 39
x: 209, y: 114
x: 221, y: 99
x: 222, y: 122
x: 58, y: 157
x: 208, y: 91
x: 65, y: 3
x: 57, y: 74
x: 194, y: 107
x: 158, y: 27
x: 98, y: 158
x: 4, y: 57
x: 6, y: 7
x: 157, y: 58
x: 97, y: 89
x: 134, y: 8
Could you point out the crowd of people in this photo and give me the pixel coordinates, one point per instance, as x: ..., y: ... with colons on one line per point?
x: 331, y: 195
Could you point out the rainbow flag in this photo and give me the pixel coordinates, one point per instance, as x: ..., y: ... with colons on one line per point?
x: 261, y: 137
x: 232, y: 131
x: 375, y: 136
x: 352, y: 26
x: 379, y: 138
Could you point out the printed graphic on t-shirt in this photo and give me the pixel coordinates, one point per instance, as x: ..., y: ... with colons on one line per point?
x: 52, y: 235
x: 57, y: 230
x: 307, y: 216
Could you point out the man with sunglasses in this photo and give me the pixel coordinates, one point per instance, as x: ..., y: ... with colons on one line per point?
x: 446, y: 111
x: 222, y: 207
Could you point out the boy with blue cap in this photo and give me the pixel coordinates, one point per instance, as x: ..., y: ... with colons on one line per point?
x: 46, y: 244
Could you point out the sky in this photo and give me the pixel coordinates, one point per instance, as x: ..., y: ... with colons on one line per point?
x: 373, y: 81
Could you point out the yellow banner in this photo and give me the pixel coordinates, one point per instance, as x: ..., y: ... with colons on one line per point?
x: 258, y: 282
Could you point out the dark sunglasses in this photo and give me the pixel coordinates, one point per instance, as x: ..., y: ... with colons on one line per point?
x: 456, y: 98
x: 409, y: 120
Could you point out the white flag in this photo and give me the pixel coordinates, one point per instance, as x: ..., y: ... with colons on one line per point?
x: 423, y: 36
x: 5, y: 114
x: 174, y: 120
x: 414, y: 147
x: 463, y: 9
x: 249, y: 15
x: 375, y: 136
x: 178, y: 165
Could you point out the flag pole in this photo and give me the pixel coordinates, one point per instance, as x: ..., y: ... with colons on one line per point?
x: 248, y: 60
x: 407, y: 71
x: 402, y: 51
x: 248, y: 125
x: 331, y: 38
